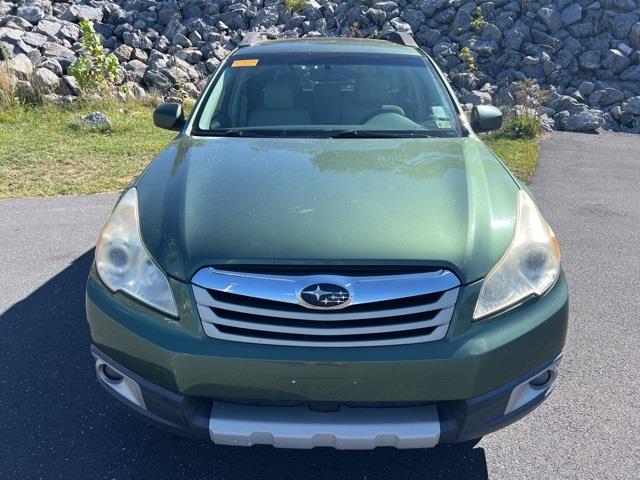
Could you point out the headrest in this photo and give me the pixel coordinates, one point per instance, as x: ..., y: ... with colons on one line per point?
x: 278, y: 96
x: 372, y: 89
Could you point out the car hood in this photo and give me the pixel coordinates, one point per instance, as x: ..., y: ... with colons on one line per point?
x: 394, y: 202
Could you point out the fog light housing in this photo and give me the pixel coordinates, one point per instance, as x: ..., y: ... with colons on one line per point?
x: 538, y: 386
x: 541, y: 380
x: 111, y: 373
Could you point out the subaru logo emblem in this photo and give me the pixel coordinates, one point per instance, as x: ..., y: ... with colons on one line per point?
x: 324, y: 296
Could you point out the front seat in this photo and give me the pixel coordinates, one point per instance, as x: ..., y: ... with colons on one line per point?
x: 278, y: 108
x: 371, y: 93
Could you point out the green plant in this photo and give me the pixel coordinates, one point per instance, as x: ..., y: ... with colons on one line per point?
x: 466, y: 55
x: 523, y: 120
x: 293, y: 5
x: 478, y: 22
x: 354, y: 29
x: 521, y: 126
x: 530, y: 95
x: 94, y: 70
x: 4, y: 54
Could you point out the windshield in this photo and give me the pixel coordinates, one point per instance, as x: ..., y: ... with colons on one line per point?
x: 331, y: 95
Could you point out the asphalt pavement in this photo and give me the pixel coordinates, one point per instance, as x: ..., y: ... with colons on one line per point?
x: 56, y: 422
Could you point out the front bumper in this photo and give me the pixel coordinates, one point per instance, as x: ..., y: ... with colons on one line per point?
x: 345, y: 427
x: 474, y: 358
x: 461, y: 384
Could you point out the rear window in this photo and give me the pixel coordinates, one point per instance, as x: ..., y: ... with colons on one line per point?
x: 327, y: 95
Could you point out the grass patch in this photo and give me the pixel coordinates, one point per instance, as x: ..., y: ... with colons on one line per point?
x: 516, y: 144
x: 43, y: 152
x: 520, y: 155
x: 521, y: 126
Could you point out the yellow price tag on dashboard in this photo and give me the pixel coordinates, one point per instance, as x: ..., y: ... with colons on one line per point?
x: 252, y: 62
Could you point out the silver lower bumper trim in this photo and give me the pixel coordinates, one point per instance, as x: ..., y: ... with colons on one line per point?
x: 528, y: 391
x: 346, y: 429
x: 123, y: 386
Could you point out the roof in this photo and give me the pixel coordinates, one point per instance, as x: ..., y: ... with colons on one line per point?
x: 327, y: 45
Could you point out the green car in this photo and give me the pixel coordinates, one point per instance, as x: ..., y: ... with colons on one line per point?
x: 328, y: 255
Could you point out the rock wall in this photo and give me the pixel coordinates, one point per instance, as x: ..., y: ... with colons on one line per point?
x: 585, y: 54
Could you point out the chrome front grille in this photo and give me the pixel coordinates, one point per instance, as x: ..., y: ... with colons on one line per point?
x: 385, y: 309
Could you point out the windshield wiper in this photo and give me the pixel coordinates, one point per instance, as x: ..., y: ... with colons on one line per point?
x: 232, y: 132
x: 379, y: 134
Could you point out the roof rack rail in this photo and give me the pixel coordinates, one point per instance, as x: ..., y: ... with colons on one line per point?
x: 401, y: 38
x: 255, y: 37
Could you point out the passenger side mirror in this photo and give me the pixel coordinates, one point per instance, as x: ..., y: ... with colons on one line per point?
x: 485, y: 118
x: 169, y: 116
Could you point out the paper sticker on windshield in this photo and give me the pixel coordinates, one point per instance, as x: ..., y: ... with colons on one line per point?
x: 443, y: 123
x: 439, y: 112
x: 249, y: 62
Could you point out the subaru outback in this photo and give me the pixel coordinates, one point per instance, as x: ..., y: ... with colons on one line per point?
x: 328, y: 255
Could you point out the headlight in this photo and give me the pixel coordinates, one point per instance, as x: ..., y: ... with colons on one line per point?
x: 123, y: 263
x: 529, y: 267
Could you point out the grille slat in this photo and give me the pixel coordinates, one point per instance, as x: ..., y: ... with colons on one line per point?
x: 337, y: 330
x: 385, y: 309
x: 444, y: 299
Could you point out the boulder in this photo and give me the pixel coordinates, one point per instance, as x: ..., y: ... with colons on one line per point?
x: 430, y: 7
x: 95, y: 121
x: 63, y: 55
x: 31, y: 13
x: 615, y: 61
x: 590, y: 60
x: 415, y: 18
x: 376, y: 15
x: 586, y: 88
x: 551, y: 18
x: 75, y: 13
x: 69, y: 86
x: 571, y: 14
x: 476, y: 97
x: 135, y: 70
x: 606, y: 97
x: 428, y: 36
x: 622, y: 24
x: 123, y: 52
x: 581, y: 30
x: 156, y: 80
x: 631, y: 74
x: 46, y: 81
x: 266, y: 18
x: 34, y: 39
x: 11, y: 35
x: 21, y: 66
x: 634, y: 36
x: 587, y: 121
x: 632, y: 105
x: 52, y: 65
x: 190, y: 55
x: 181, y: 40
x: 49, y: 28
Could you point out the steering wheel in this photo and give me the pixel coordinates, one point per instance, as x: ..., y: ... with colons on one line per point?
x: 383, y: 110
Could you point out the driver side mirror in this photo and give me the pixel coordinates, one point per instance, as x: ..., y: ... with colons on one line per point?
x: 485, y: 118
x: 169, y: 116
